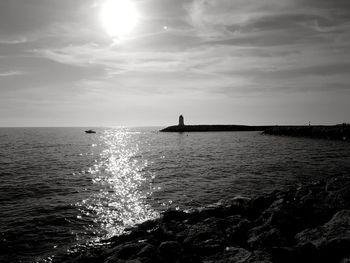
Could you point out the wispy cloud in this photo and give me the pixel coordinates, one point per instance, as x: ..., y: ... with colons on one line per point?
x: 11, y: 73
x: 13, y: 41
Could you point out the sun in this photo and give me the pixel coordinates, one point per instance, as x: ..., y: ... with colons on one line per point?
x: 118, y: 17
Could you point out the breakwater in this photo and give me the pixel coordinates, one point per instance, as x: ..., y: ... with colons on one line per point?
x: 337, y: 132
x: 213, y: 128
x: 305, y: 224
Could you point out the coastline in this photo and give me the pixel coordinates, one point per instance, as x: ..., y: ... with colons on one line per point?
x: 337, y: 132
x: 305, y: 224
x: 334, y: 132
x: 213, y: 128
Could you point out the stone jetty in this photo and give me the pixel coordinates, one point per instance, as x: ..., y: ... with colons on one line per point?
x: 181, y: 127
x: 336, y: 132
x: 213, y: 128
x: 305, y: 224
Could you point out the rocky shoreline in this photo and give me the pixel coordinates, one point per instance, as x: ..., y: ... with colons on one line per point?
x: 306, y: 224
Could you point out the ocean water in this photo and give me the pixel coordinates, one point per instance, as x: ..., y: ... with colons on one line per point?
x: 62, y: 190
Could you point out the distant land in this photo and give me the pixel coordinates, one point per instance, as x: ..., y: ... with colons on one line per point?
x: 213, y: 128
x: 334, y: 132
x: 181, y: 127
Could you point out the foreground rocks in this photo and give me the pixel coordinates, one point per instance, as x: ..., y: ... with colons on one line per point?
x: 308, y: 224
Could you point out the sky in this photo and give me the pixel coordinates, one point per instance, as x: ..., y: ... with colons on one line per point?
x: 214, y: 61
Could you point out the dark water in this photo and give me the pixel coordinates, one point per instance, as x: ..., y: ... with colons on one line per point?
x: 61, y: 189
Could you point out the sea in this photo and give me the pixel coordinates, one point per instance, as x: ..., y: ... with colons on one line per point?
x: 62, y: 190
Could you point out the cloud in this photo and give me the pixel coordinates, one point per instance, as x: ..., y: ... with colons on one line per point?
x: 267, y: 22
x: 14, y: 41
x: 11, y: 73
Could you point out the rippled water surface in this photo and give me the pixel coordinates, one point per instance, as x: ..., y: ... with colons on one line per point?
x: 62, y: 189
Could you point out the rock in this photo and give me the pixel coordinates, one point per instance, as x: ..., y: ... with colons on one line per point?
x: 269, y: 238
x: 335, y: 249
x: 345, y: 260
x: 259, y: 257
x: 340, y: 198
x: 126, y: 251
x: 203, y: 214
x: 337, y: 183
x: 122, y: 261
x: 170, y: 251
x: 235, y: 255
x: 284, y: 254
x: 205, y: 243
x: 260, y: 204
x: 338, y: 227
x: 147, y: 251
x: 308, y: 224
x: 314, y: 209
x: 236, y: 228
x: 190, y: 259
x: 160, y: 233
x: 306, y: 253
x: 331, y: 239
x: 206, y: 237
x: 173, y: 214
x: 148, y: 225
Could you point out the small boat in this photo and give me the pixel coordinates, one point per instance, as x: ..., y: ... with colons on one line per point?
x: 90, y: 131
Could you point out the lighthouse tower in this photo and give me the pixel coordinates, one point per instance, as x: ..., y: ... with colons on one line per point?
x: 181, y: 121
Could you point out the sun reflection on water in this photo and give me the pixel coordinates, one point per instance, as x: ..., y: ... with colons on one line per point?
x: 124, y: 184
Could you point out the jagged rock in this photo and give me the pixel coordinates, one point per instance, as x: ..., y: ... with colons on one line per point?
x: 147, y: 251
x: 260, y: 204
x: 305, y: 253
x: 284, y: 254
x: 269, y: 238
x: 332, y: 238
x: 236, y: 228
x: 126, y: 251
x: 345, y: 260
x: 337, y: 227
x: 205, y: 237
x: 259, y: 257
x: 235, y: 255
x: 339, y: 196
x: 170, y: 250
x: 173, y: 214
x: 193, y: 258
x: 160, y: 233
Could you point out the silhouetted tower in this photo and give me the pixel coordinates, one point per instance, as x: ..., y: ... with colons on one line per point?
x: 181, y: 121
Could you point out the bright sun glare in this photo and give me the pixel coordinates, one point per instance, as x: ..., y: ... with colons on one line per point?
x: 118, y: 17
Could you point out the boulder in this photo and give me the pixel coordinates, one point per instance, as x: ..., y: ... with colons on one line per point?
x: 345, y: 260
x: 191, y: 258
x: 173, y: 214
x: 235, y: 255
x: 264, y: 239
x: 206, y: 237
x: 147, y: 251
x: 259, y: 257
x: 126, y: 251
x: 235, y: 228
x: 331, y: 239
x: 170, y: 251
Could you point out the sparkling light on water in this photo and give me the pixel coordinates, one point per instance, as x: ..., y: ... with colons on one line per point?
x: 124, y: 184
